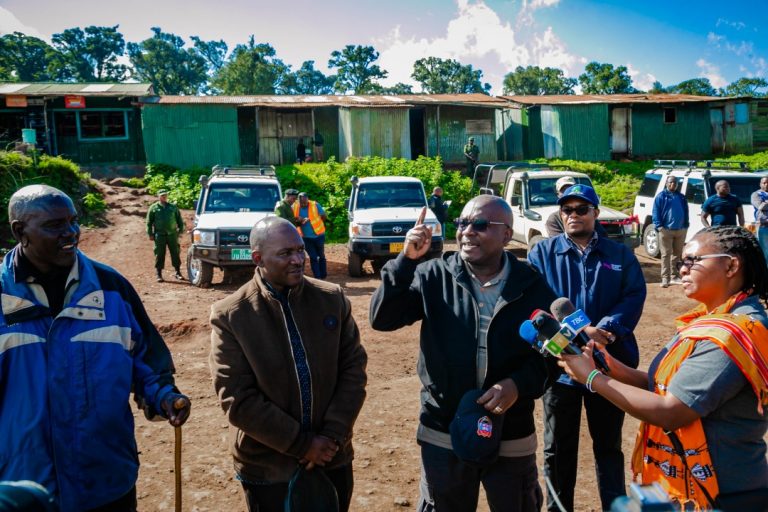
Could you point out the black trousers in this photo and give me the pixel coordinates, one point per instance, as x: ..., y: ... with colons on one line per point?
x: 125, y: 504
x: 271, y: 497
x: 562, y: 421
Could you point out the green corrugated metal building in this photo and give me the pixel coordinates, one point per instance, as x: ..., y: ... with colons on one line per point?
x: 96, y: 125
x: 267, y: 129
x: 602, y: 127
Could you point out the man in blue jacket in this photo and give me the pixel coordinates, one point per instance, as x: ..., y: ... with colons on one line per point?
x: 603, y: 278
x: 470, y: 304
x: 670, y: 217
x: 75, y: 341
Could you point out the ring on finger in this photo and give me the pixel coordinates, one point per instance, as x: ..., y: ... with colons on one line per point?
x: 498, y: 409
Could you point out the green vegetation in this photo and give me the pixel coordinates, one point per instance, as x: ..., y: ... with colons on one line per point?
x: 183, y: 186
x: 19, y: 170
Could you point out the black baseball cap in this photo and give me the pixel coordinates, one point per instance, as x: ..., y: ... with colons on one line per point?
x: 475, y: 432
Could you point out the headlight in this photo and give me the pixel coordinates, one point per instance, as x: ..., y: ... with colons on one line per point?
x: 437, y: 229
x: 356, y: 229
x: 204, y: 237
x: 630, y: 229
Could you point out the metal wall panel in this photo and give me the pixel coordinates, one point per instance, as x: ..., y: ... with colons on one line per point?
x: 585, y: 131
x: 550, y: 132
x: 190, y: 135
x: 374, y: 132
x: 327, y: 124
x: 689, y: 136
x: 447, y: 132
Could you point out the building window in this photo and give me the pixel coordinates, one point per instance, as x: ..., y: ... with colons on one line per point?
x: 103, y: 125
x: 670, y: 115
x: 66, y: 124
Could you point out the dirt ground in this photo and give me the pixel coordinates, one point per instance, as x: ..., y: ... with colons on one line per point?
x: 387, y: 457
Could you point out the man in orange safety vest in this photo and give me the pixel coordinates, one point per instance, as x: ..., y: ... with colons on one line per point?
x: 312, y: 231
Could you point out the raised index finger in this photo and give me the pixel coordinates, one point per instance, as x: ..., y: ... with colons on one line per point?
x: 422, y: 216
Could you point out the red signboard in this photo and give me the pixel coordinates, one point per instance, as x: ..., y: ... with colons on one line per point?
x: 15, y: 101
x: 74, y: 101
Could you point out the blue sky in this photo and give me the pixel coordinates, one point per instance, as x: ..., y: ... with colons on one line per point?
x: 669, y: 41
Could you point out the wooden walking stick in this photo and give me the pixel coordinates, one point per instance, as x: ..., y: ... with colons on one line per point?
x: 178, y: 404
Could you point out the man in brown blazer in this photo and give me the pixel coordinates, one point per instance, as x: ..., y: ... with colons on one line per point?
x: 289, y: 370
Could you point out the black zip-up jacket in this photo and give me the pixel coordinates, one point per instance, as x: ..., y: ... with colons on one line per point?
x: 439, y: 293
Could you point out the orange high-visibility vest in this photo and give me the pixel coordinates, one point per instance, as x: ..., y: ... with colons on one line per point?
x: 314, y: 217
x: 655, y: 459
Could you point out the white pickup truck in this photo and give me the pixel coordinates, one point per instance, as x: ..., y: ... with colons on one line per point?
x: 530, y: 190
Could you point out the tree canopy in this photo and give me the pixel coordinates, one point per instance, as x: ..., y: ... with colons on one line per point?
x: 356, y: 71
x: 89, y: 55
x: 747, y: 87
x: 163, y: 61
x: 447, y: 76
x: 694, y: 86
x: 535, y: 81
x: 308, y: 80
x: 252, y: 69
x: 25, y: 58
x: 605, y: 79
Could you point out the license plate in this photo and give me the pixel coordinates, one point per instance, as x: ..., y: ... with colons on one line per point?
x: 396, y: 247
x: 241, y: 254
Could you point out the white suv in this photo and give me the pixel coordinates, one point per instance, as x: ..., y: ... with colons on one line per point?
x: 696, y: 181
x: 231, y: 201
x: 381, y: 210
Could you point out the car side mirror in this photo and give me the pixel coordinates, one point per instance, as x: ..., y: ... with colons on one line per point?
x: 346, y: 203
x: 514, y: 200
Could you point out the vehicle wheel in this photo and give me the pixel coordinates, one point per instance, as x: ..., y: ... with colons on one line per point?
x: 354, y: 265
x: 533, y: 241
x: 199, y: 272
x: 651, y: 241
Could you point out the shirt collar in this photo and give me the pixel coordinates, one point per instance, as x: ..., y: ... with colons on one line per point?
x: 590, y: 245
x: 498, y: 278
x: 24, y: 271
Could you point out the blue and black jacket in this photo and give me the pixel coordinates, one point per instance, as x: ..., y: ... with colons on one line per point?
x: 65, y: 383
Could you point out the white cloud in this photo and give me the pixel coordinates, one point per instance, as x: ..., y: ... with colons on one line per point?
x: 10, y: 23
x: 477, y: 34
x: 714, y: 39
x: 641, y: 81
x: 712, y: 72
x: 738, y: 25
x: 742, y: 49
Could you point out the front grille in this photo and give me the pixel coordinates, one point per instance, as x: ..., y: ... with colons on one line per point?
x: 391, y: 228
x: 239, y: 237
x: 613, y: 229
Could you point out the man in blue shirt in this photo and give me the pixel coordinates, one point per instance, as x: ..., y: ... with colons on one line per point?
x: 670, y: 217
x: 603, y: 278
x: 760, y: 202
x: 724, y: 207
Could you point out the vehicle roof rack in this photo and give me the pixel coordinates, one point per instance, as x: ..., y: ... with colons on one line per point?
x: 702, y: 164
x: 243, y: 170
x: 673, y: 164
x: 724, y: 164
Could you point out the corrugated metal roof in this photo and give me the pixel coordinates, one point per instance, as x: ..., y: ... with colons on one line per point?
x: 60, y: 89
x: 610, y: 98
x: 305, y: 101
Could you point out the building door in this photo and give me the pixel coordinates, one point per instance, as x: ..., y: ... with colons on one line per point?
x: 418, y: 145
x: 716, y: 120
x: 620, y: 131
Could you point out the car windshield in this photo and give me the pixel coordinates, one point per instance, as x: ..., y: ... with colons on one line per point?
x: 241, y: 198
x: 541, y: 191
x: 390, y: 195
x: 741, y: 186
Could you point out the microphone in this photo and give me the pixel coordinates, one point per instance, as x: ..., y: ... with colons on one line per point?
x: 575, y: 320
x: 557, y: 337
x: 528, y: 332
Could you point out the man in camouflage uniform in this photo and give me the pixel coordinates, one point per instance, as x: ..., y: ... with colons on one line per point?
x: 164, y: 224
x: 472, y: 154
x: 284, y: 208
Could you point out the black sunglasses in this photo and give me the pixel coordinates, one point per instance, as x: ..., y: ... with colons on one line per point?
x: 477, y: 224
x: 690, y: 261
x: 582, y: 209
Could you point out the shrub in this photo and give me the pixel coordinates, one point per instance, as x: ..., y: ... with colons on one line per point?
x: 183, y: 185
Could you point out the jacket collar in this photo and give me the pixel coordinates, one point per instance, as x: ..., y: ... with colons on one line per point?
x: 266, y: 290
x: 563, y: 245
x: 520, y: 274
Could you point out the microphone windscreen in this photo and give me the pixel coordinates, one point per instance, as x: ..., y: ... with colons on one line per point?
x: 561, y: 308
x: 528, y: 332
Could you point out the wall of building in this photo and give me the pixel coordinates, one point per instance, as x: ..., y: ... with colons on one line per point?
x: 374, y: 131
x: 689, y: 136
x: 447, y: 135
x: 191, y: 135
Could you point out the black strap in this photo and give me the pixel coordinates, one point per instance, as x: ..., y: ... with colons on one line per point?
x: 678, y: 446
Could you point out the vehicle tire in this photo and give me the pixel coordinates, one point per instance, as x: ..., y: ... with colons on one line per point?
x: 199, y: 272
x: 651, y: 241
x: 354, y: 265
x: 533, y: 241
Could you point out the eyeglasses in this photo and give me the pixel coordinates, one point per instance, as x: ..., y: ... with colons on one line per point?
x: 690, y: 261
x: 580, y: 210
x: 477, y: 224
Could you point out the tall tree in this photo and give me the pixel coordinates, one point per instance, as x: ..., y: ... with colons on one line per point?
x: 251, y: 69
x: 25, y: 58
x: 747, y: 87
x: 308, y: 80
x: 447, y: 76
x: 89, y: 55
x: 214, y: 52
x: 694, y: 86
x: 398, y: 89
x: 535, y: 81
x: 657, y: 88
x: 605, y: 79
x: 171, y: 68
x: 356, y: 69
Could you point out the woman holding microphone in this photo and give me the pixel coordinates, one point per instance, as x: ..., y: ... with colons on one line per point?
x: 702, y: 401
